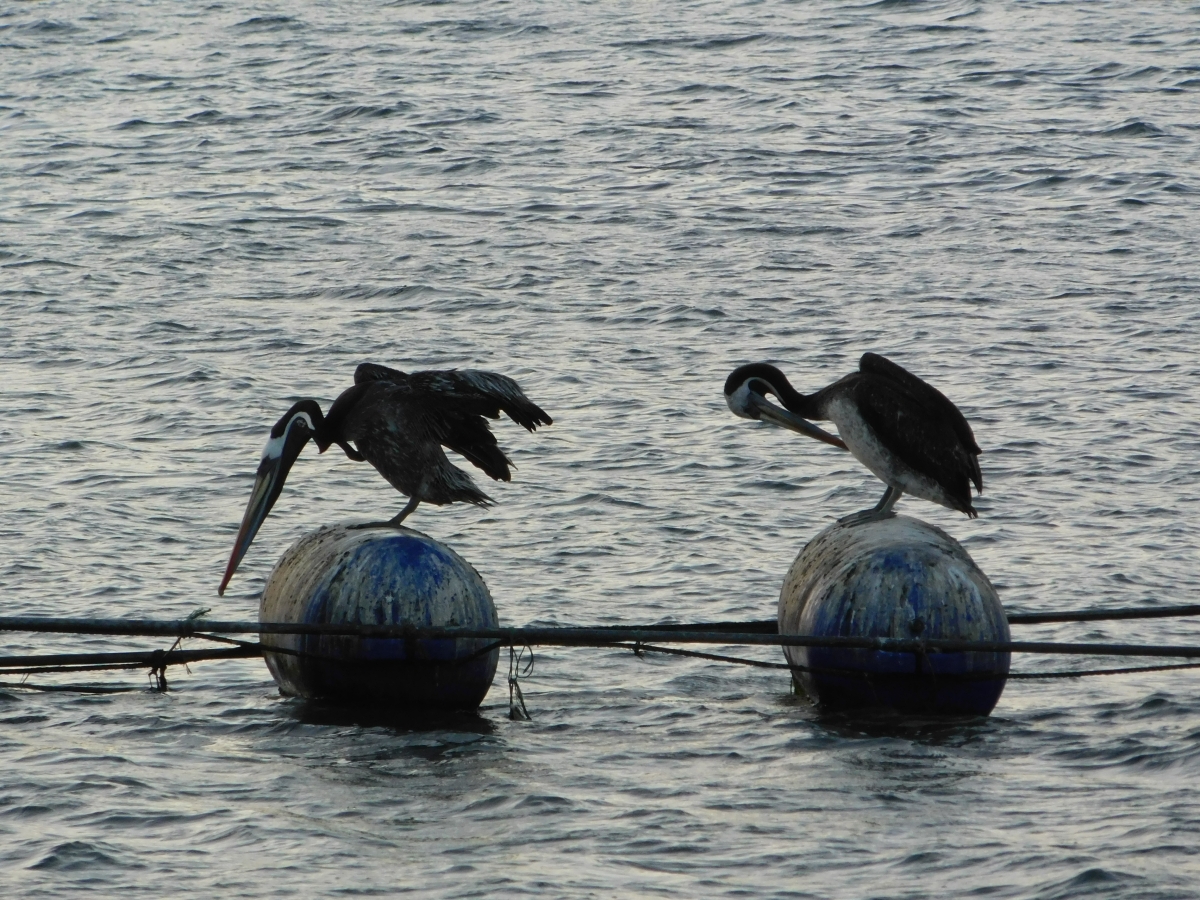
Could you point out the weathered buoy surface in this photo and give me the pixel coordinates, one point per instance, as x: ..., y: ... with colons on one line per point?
x: 900, y: 578
x: 378, y: 576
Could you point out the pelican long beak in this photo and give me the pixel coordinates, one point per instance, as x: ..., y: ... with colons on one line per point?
x: 268, y: 483
x: 769, y: 412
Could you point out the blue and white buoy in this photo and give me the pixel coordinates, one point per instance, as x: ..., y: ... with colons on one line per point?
x: 899, y: 578
x: 379, y: 576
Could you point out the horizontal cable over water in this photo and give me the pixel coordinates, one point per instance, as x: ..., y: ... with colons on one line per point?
x: 185, y: 627
x: 770, y: 626
x: 134, y: 659
x: 159, y: 660
x: 979, y: 676
x: 595, y: 636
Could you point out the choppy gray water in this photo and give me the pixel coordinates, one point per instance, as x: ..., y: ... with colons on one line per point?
x: 208, y: 210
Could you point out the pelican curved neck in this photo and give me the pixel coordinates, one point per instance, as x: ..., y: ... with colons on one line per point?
x: 763, y: 378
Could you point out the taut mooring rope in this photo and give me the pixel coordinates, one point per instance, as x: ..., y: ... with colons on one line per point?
x: 192, y: 624
x: 568, y: 636
x: 641, y: 649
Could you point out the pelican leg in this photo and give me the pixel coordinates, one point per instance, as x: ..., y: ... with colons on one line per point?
x: 881, y: 510
x: 393, y: 522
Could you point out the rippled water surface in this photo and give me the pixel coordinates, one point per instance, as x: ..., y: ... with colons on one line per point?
x: 209, y: 210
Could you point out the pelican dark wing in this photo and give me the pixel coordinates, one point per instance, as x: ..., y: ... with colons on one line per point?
x: 483, y: 393
x: 374, y: 372
x: 926, y: 444
x: 400, y: 421
x: 936, y: 405
x: 449, y: 419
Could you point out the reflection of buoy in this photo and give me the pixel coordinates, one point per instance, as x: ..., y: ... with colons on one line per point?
x: 900, y: 578
x: 378, y: 576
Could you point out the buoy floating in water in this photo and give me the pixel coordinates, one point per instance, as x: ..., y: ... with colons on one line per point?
x: 901, y: 578
x: 378, y: 576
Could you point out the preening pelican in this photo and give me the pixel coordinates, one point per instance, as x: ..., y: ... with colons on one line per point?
x: 905, y: 431
x: 399, y: 423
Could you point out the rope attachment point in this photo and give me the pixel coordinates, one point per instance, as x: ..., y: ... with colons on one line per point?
x: 518, y: 666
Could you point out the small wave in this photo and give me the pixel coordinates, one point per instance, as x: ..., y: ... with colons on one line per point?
x: 93, y: 214
x: 366, y: 111
x: 1087, y: 882
x: 461, y: 117
x: 386, y: 292
x: 939, y: 29
x: 269, y: 23
x: 796, y: 230
x: 721, y: 43
x: 45, y: 26
x: 123, y: 36
x: 650, y: 186
x: 471, y: 165
x: 188, y: 378
x: 1044, y: 182
x: 75, y: 855
x: 168, y: 325
x: 1144, y: 72
x: 1136, y: 128
x: 547, y: 803
x: 39, y: 262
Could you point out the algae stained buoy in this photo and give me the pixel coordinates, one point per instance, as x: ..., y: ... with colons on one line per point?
x: 901, y: 578
x: 378, y: 576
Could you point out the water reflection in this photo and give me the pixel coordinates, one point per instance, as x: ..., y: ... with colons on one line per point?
x: 460, y: 726
x: 925, y: 729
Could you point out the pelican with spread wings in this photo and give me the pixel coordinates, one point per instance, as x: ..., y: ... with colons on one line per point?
x: 402, y: 424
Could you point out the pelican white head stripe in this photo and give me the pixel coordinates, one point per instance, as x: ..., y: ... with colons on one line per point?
x: 274, y: 448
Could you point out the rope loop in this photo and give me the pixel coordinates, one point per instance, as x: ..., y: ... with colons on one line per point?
x: 518, y: 666
x: 158, y: 671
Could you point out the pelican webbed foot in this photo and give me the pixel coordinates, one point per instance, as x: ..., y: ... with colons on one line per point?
x: 393, y: 522
x: 881, y: 510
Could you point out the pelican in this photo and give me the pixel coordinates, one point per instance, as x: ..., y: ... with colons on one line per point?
x: 399, y: 423
x: 905, y: 431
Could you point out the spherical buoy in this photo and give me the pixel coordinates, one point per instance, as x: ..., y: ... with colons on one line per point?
x: 378, y: 576
x: 899, y: 578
